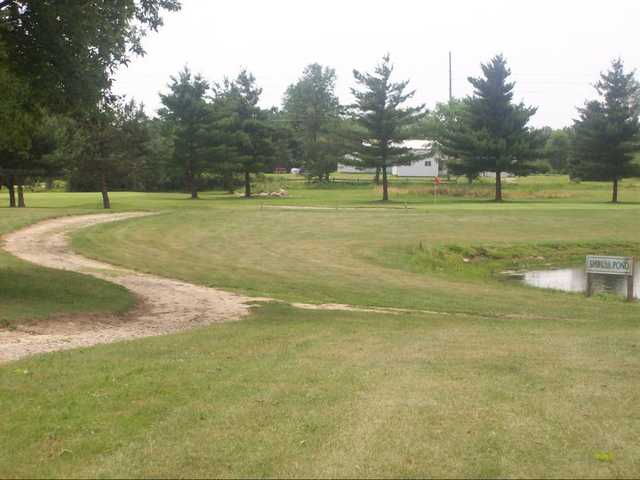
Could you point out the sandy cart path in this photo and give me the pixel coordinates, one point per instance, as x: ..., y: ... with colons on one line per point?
x: 167, y: 306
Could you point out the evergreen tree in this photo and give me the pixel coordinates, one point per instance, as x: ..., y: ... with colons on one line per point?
x: 384, y: 122
x: 490, y: 132
x: 606, y: 135
x: 186, y: 110
x: 249, y: 132
x: 314, y: 111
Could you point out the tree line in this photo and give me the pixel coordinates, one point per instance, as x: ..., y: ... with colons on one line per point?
x: 61, y: 119
x: 488, y: 131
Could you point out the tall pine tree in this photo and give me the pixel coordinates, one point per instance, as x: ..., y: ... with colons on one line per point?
x: 606, y: 135
x: 249, y: 131
x: 490, y: 132
x: 186, y: 110
x: 385, y: 122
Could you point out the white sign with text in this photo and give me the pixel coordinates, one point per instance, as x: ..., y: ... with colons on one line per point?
x: 610, y: 265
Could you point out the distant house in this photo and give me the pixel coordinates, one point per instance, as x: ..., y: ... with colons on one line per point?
x: 427, y: 165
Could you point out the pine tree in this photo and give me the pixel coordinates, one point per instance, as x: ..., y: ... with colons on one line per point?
x: 249, y: 132
x: 186, y: 109
x: 490, y: 132
x: 384, y: 122
x: 606, y: 135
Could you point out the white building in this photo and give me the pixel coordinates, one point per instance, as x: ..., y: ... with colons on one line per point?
x: 351, y: 169
x: 427, y: 164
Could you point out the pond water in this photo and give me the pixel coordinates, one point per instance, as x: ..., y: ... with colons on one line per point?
x: 575, y: 280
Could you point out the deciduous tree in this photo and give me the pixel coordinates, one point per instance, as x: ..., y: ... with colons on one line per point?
x: 109, y: 142
x: 68, y: 51
x: 311, y: 105
x: 557, y: 149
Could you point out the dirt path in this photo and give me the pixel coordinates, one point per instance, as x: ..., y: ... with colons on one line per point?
x: 167, y: 306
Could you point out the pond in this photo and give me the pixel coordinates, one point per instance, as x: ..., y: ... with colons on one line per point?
x: 574, y: 280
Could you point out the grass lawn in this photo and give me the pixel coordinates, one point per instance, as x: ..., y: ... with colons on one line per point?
x: 499, y: 380
x: 29, y: 293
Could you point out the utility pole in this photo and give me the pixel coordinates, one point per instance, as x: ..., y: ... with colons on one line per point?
x: 450, y: 79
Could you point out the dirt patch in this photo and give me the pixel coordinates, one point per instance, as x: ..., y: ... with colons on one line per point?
x: 167, y: 306
x: 353, y: 308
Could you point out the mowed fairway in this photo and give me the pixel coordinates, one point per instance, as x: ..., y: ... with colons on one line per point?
x: 485, y: 378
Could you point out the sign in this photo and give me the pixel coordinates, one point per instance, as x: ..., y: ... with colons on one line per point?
x: 610, y: 265
x: 623, y: 266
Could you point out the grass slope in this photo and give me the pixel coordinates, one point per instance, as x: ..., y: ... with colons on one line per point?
x: 507, y: 381
x: 358, y: 256
x: 29, y: 293
x: 326, y: 394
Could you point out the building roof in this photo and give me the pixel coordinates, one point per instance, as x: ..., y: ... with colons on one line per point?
x: 416, y: 144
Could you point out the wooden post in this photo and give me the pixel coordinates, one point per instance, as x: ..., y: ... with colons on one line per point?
x: 631, y: 280
x: 589, y: 291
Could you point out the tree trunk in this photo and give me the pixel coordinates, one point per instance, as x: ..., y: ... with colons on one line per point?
x: 614, y: 198
x: 106, y: 203
x: 247, y: 184
x: 11, y: 185
x: 385, y: 185
x: 498, y: 186
x: 21, y: 203
x: 377, y: 178
x: 191, y: 182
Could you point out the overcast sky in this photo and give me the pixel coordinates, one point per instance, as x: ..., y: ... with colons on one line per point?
x: 556, y: 49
